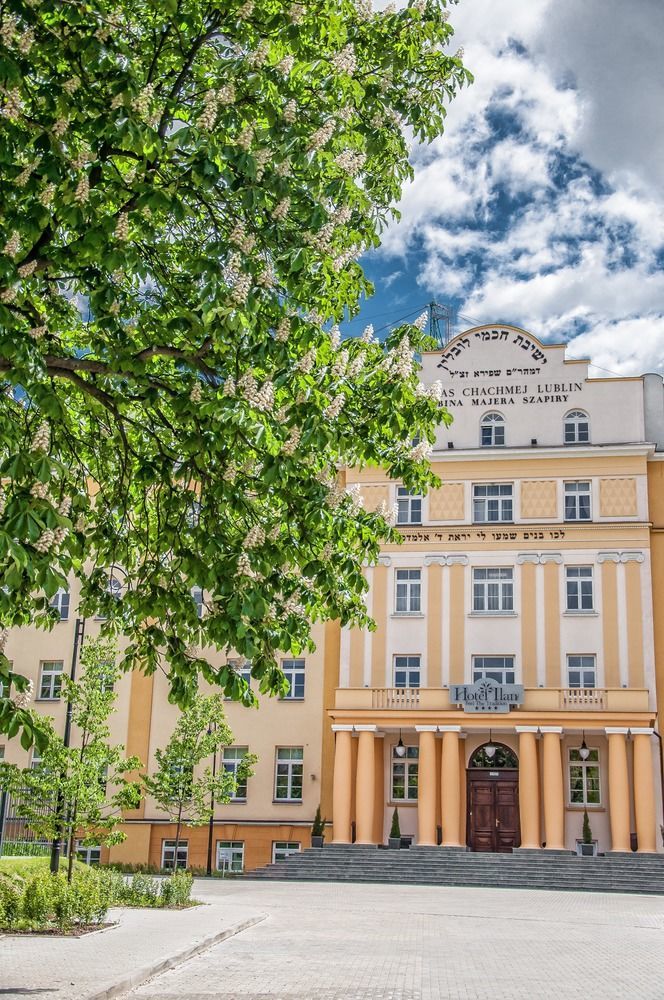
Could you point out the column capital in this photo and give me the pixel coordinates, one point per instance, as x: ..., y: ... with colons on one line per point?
x: 527, y: 557
x: 365, y: 729
x: 449, y: 729
x: 426, y: 729
x: 551, y: 729
x: 384, y: 560
x: 342, y: 729
x: 616, y: 731
x: 603, y: 557
x: 642, y: 731
x: 551, y: 557
x: 435, y: 560
x: 456, y: 560
x: 526, y: 729
x: 632, y: 557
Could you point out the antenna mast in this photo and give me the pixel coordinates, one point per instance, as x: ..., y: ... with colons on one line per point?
x: 441, y: 322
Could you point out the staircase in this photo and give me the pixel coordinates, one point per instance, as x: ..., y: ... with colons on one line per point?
x: 642, y: 873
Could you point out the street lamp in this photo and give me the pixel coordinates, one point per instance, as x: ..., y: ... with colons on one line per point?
x: 584, y: 751
x: 400, y: 749
x: 211, y: 823
x: 490, y: 748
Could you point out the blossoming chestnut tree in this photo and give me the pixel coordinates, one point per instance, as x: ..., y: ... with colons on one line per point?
x: 185, y: 188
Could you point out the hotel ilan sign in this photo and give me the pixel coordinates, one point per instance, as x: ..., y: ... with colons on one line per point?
x: 486, y: 696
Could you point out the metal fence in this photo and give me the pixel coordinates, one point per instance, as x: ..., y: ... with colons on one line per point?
x: 16, y: 837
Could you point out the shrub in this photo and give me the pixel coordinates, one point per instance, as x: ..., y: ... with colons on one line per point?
x: 144, y: 890
x: 11, y: 893
x: 176, y: 890
x: 395, y: 830
x: 37, y: 901
x: 318, y: 826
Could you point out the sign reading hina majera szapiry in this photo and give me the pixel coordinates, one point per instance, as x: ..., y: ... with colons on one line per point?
x: 486, y: 696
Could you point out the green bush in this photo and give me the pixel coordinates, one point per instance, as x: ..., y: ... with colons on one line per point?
x: 11, y: 894
x: 176, y: 890
x: 37, y: 901
x: 144, y: 890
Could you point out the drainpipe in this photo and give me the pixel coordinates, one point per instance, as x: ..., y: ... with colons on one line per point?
x: 661, y: 778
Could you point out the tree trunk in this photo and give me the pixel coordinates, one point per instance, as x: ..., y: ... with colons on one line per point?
x: 72, y: 833
x: 177, y: 839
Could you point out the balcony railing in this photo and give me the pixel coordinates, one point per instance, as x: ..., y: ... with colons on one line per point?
x: 535, y: 699
x: 588, y: 699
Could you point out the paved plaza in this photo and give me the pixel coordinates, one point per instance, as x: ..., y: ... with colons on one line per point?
x: 359, y: 942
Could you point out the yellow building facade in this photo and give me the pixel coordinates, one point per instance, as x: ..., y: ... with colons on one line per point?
x: 511, y: 684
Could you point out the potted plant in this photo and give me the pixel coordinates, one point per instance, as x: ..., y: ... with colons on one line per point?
x: 587, y: 845
x: 317, y: 830
x: 395, y: 832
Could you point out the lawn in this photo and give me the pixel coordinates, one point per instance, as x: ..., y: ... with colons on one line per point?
x: 30, y: 866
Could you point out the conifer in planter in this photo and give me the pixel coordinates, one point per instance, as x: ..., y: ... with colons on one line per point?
x: 587, y: 842
x: 395, y: 832
x: 318, y: 830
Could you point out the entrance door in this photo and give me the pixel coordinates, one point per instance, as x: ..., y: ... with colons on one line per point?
x: 493, y: 810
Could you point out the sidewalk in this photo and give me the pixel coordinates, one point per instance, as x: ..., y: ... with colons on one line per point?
x: 110, y: 962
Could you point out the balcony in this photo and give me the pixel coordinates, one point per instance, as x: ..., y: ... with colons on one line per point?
x: 535, y: 700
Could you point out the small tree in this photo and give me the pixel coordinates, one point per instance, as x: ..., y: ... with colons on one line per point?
x: 587, y: 834
x: 395, y: 830
x: 67, y: 793
x: 318, y: 825
x: 182, y: 791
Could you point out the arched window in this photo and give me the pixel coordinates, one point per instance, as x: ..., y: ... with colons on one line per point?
x: 492, y: 429
x: 503, y: 757
x: 576, y: 427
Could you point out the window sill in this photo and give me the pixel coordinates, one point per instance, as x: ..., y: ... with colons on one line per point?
x: 407, y: 614
x: 402, y: 802
x: 578, y: 520
x: 580, y: 614
x: 409, y: 524
x: 492, y: 614
x: 493, y: 524
x: 290, y: 699
x: 286, y: 802
x: 57, y: 698
x: 590, y: 809
x: 235, y: 802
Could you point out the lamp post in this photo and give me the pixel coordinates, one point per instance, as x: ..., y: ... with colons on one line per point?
x: 210, y: 730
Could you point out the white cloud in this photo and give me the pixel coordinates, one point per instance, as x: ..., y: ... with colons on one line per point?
x: 626, y: 347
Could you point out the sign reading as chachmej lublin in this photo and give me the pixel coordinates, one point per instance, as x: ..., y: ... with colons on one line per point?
x: 486, y: 696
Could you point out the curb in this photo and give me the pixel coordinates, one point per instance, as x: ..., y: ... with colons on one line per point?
x: 134, y: 979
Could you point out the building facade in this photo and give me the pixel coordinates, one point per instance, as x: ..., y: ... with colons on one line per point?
x: 512, y: 682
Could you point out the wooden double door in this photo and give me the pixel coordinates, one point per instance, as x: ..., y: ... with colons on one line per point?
x: 493, y: 810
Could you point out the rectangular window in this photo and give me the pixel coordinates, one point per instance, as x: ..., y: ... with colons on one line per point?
x: 407, y: 671
x: 579, y: 588
x: 197, y: 597
x: 577, y: 501
x: 288, y: 774
x: 282, y: 849
x: 242, y: 668
x: 584, y: 781
x: 404, y: 774
x: 581, y: 671
x: 88, y: 855
x: 50, y: 681
x: 409, y: 506
x: 408, y: 591
x: 168, y: 854
x: 231, y: 758
x: 108, y: 676
x: 230, y: 855
x: 294, y: 671
x: 493, y: 590
x: 60, y: 603
x: 492, y: 502
x: 495, y: 668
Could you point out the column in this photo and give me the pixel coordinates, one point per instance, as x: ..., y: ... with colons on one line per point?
x: 644, y: 793
x: 434, y: 566
x: 457, y: 619
x: 529, y: 798
x: 618, y: 789
x: 365, y: 786
x: 426, y: 787
x: 610, y: 637
x: 528, y: 562
x: 342, y: 784
x: 450, y: 787
x: 554, y: 803
x: 379, y: 670
x: 552, y: 561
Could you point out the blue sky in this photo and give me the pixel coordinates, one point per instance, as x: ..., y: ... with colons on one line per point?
x: 542, y: 205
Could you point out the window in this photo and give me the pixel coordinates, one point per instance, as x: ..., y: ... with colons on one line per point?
x: 576, y: 427
x: 581, y: 671
x: 409, y: 506
x: 408, y: 591
x: 496, y: 668
x: 197, y: 596
x: 492, y: 430
x: 35, y: 760
x: 51, y: 680
x: 231, y: 758
x: 579, y: 588
x: 88, y: 855
x: 114, y: 590
x: 243, y: 669
x: 294, y: 671
x: 584, y: 787
x: 282, y: 849
x: 288, y: 777
x: 60, y: 603
x: 230, y: 855
x: 404, y: 774
x: 168, y: 854
x: 107, y: 669
x: 407, y: 671
x: 492, y: 502
x: 577, y: 501
x: 493, y: 590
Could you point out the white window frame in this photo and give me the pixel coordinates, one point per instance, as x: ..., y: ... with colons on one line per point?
x: 231, y: 758
x: 294, y: 669
x: 405, y: 767
x: 282, y: 849
x: 502, y: 672
x: 290, y: 766
x: 197, y: 598
x: 587, y: 664
x: 412, y: 669
x: 60, y: 603
x: 491, y: 499
x: 584, y: 766
x: 114, y: 587
x: 409, y: 506
x: 572, y: 491
x: 572, y: 425
x: 493, y: 585
x: 90, y: 855
x: 168, y: 851
x: 234, y: 852
x: 408, y: 591
x: 494, y: 423
x: 579, y: 590
x: 54, y: 678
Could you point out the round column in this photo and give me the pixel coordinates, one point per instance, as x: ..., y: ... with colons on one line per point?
x: 365, y: 786
x: 644, y: 792
x: 426, y: 787
x: 451, y: 787
x: 529, y: 797
x: 341, y: 785
x: 554, y: 803
x: 618, y: 790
